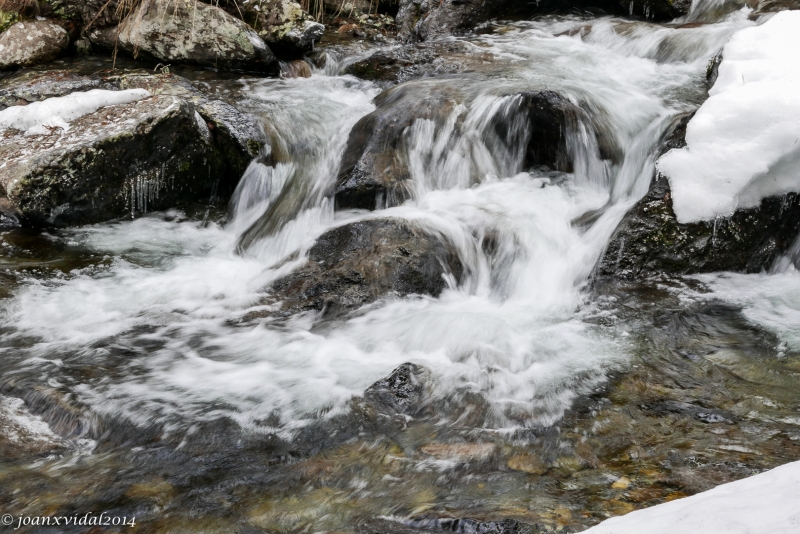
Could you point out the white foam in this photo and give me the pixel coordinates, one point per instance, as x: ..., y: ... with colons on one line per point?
x: 761, y: 504
x: 58, y: 112
x: 744, y: 142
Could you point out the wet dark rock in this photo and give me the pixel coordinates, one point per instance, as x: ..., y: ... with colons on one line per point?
x: 658, y: 10
x: 236, y: 136
x: 363, y: 261
x: 31, y: 42
x: 147, y: 155
x: 422, y: 20
x: 374, y: 171
x: 419, y: 60
x: 401, y: 392
x: 650, y: 240
x: 712, y: 70
x: 194, y: 33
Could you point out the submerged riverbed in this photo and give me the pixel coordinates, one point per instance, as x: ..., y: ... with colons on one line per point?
x: 537, y: 393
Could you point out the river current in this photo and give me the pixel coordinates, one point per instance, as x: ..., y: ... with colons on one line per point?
x: 158, y: 326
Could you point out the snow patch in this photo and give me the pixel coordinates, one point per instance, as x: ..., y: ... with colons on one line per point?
x: 761, y: 504
x: 743, y: 144
x: 58, y: 112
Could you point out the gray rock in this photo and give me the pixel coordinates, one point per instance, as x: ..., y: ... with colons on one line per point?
x: 31, y: 42
x: 402, y: 392
x: 121, y: 160
x: 374, y: 172
x: 283, y: 24
x: 363, y: 261
x: 196, y: 33
x: 650, y: 240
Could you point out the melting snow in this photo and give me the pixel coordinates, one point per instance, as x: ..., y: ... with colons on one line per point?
x: 35, y: 118
x: 744, y: 141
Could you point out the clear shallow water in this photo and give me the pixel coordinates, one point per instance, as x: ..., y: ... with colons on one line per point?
x: 554, y: 390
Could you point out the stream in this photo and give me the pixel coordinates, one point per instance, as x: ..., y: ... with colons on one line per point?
x: 172, y: 394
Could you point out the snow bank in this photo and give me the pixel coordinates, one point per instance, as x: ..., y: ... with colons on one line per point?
x: 768, y: 503
x: 744, y: 141
x: 35, y: 118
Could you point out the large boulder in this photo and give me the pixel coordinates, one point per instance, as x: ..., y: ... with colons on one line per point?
x: 238, y: 135
x: 196, y: 33
x: 650, y: 240
x: 360, y: 262
x: 148, y: 154
x: 374, y: 171
x: 30, y: 42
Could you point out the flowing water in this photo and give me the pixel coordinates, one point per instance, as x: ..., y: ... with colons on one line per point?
x: 154, y: 333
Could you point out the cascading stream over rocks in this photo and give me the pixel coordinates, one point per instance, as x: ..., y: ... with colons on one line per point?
x: 416, y: 263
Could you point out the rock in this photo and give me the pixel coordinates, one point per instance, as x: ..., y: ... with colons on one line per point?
x: 31, y: 42
x: 355, y: 8
x: 401, y: 392
x: 712, y: 70
x: 419, y: 60
x: 362, y: 261
x: 283, y: 24
x: 23, y: 434
x: 420, y: 20
x: 33, y: 86
x: 621, y: 483
x: 650, y: 240
x: 658, y: 10
x: 527, y: 463
x: 299, y: 39
x: 464, y: 452
x: 423, y: 20
x: 89, y: 13
x: 146, y: 155
x: 196, y: 33
x: 239, y: 136
x: 761, y: 7
x: 374, y: 170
